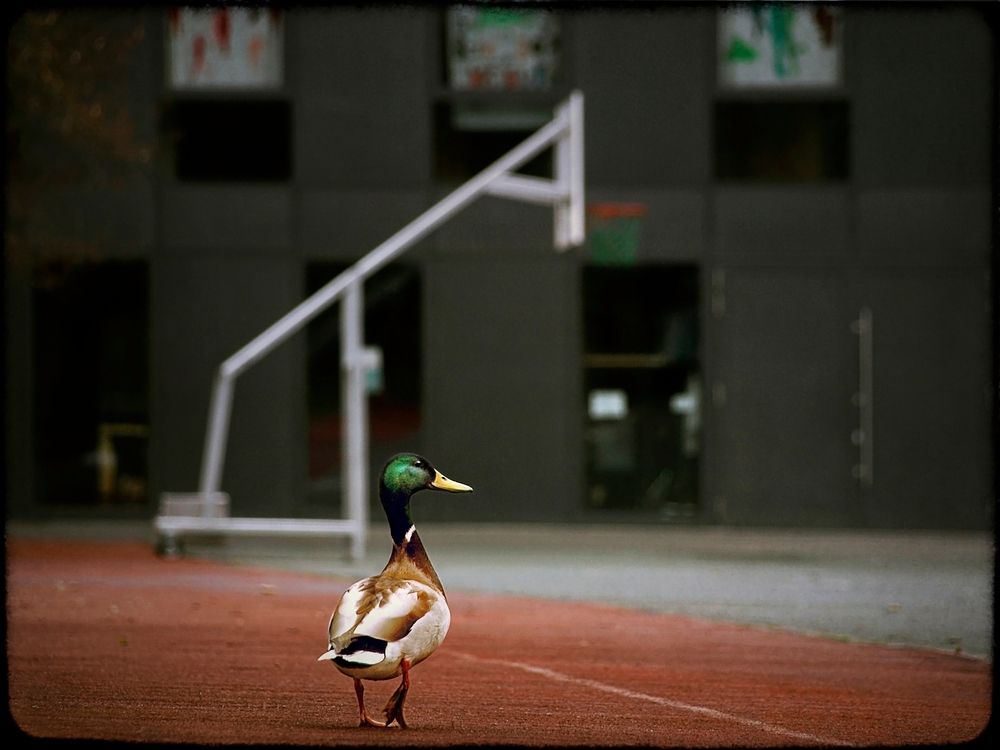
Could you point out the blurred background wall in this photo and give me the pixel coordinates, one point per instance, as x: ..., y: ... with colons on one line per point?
x: 700, y: 360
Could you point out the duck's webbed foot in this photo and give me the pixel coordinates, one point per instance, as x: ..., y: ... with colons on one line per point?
x: 366, y: 721
x: 394, y: 708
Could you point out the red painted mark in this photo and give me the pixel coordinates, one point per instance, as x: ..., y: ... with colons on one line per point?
x: 221, y: 27
x: 254, y: 48
x: 825, y: 21
x: 510, y: 80
x: 198, y: 51
x: 174, y: 14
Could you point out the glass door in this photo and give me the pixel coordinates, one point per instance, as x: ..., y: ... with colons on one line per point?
x: 642, y: 386
x: 91, y: 383
x: 392, y: 323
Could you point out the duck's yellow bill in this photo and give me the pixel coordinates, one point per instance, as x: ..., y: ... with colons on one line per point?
x: 441, y: 482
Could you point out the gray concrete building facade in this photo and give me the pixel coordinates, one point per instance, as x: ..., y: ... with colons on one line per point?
x: 488, y: 333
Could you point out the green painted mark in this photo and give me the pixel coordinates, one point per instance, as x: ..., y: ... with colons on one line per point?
x: 786, y: 49
x: 496, y: 17
x: 740, y: 51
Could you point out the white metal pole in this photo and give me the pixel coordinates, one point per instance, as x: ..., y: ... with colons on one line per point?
x: 354, y: 416
x: 568, y: 217
x: 394, y: 246
x: 577, y: 212
x: 214, y: 456
x: 565, y: 193
x: 561, y: 175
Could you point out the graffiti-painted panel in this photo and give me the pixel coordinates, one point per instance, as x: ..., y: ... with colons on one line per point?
x: 780, y: 45
x: 501, y: 49
x: 225, y: 48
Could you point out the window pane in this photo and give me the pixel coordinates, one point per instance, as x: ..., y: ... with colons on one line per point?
x: 392, y: 323
x: 642, y: 389
x: 781, y: 141
x: 229, y: 141
x: 91, y: 382
x: 461, y: 154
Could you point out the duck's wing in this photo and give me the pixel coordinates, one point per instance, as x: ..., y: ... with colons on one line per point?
x: 392, y: 608
x: 346, y: 616
x: 374, y: 613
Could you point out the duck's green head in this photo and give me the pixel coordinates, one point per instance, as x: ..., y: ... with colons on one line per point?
x: 407, y: 473
x: 403, y: 475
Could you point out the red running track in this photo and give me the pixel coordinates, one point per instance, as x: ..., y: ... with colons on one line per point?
x: 107, y: 641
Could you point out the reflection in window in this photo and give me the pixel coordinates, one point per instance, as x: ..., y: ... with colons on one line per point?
x: 228, y: 140
x: 805, y: 141
x: 392, y: 323
x: 461, y: 154
x: 91, y: 382
x: 642, y: 386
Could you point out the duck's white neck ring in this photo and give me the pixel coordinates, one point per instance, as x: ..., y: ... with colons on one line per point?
x: 409, y: 534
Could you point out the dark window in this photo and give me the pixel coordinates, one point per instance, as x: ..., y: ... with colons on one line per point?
x: 462, y: 153
x: 805, y: 141
x: 642, y: 389
x: 392, y: 322
x: 229, y: 141
x: 91, y: 380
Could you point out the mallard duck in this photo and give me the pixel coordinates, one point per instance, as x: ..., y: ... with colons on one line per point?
x: 386, y: 624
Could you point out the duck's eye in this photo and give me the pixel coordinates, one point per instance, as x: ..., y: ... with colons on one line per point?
x: 420, y: 464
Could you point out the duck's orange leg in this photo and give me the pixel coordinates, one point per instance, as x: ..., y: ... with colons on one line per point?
x: 394, y: 708
x: 359, y: 689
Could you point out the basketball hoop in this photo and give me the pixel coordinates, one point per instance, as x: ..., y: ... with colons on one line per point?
x: 614, y: 231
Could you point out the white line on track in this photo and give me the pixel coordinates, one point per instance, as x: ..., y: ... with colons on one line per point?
x: 711, y: 712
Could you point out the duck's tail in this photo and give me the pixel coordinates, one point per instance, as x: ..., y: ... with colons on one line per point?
x: 362, y: 651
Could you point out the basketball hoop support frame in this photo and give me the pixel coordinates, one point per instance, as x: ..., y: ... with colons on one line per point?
x: 565, y: 193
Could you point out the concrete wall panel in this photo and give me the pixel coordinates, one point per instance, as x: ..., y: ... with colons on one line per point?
x: 346, y: 224
x: 648, y: 82
x: 238, y: 218
x: 502, y: 398
x: 787, y: 225
x: 924, y: 227
x: 922, y: 82
x: 204, y: 309
x: 362, y: 111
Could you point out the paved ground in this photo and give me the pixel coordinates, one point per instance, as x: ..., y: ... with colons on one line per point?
x: 107, y: 641
x: 921, y: 589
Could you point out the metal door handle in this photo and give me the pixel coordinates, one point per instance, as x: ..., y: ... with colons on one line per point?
x: 863, y: 399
